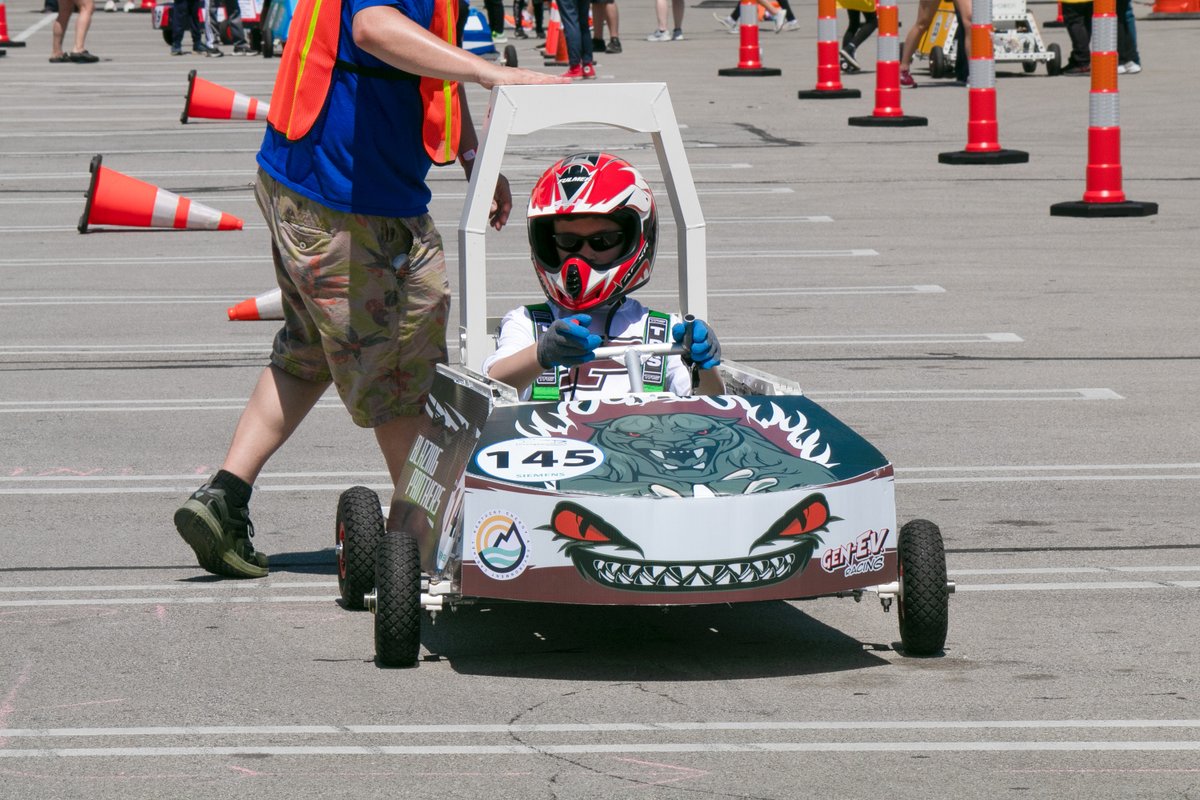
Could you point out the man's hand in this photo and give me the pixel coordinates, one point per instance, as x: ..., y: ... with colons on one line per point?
x: 567, y: 342
x: 506, y: 76
x: 699, y: 341
x: 501, y: 204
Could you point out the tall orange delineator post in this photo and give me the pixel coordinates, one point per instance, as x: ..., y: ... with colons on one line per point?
x: 1103, y: 196
x: 983, y: 131
x: 4, y: 40
x: 888, y: 113
x: 1175, y: 9
x: 208, y: 100
x: 749, y: 55
x: 114, y: 198
x: 829, y: 68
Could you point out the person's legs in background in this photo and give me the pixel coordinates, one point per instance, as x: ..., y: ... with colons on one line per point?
x: 1077, y: 19
x: 495, y: 15
x: 1128, y: 60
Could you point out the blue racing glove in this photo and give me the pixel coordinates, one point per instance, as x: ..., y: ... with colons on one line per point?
x: 699, y: 341
x: 567, y: 342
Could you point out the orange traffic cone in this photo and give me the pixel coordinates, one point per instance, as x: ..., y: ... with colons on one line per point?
x: 983, y: 131
x: 1057, y: 22
x: 888, y: 112
x: 556, y: 40
x: 1103, y: 195
x: 268, y: 305
x: 749, y: 55
x: 1175, y: 9
x: 117, y: 199
x: 4, y: 40
x: 208, y: 100
x: 829, y: 70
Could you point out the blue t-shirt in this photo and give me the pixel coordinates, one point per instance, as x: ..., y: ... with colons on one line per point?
x: 364, y: 154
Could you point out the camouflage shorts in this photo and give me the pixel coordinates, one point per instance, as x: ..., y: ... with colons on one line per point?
x: 365, y: 301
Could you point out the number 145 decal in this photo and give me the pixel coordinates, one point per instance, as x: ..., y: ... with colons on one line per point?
x: 537, y: 460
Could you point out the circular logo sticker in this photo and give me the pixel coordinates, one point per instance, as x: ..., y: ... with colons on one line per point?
x: 501, y: 545
x: 539, y: 459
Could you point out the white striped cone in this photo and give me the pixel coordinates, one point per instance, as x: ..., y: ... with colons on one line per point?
x: 208, y: 100
x: 266, y: 306
x: 117, y: 199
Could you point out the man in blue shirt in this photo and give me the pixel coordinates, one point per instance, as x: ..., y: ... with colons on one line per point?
x: 361, y: 266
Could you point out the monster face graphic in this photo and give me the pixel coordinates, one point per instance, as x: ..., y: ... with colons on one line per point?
x: 687, y: 454
x: 615, y: 559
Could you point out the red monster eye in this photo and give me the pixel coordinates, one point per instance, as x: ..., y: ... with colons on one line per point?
x: 702, y: 433
x: 632, y: 433
x: 567, y: 522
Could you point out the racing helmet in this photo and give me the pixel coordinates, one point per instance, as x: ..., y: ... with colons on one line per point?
x: 594, y: 184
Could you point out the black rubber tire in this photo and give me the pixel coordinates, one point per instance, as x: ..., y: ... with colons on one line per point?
x: 924, y: 602
x: 1054, y: 65
x: 398, y: 601
x: 1029, y: 66
x: 268, y: 43
x: 168, y: 36
x: 358, y: 529
x: 510, y: 56
x: 937, y: 62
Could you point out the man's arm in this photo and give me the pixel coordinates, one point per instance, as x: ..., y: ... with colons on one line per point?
x: 384, y: 32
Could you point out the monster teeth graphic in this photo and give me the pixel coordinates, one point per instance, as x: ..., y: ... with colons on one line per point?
x: 738, y: 574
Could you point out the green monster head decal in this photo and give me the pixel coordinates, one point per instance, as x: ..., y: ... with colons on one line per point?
x: 691, y: 454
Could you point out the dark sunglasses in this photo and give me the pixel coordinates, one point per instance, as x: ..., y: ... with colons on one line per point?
x: 573, y: 242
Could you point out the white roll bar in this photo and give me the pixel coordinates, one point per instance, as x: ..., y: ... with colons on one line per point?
x: 521, y: 110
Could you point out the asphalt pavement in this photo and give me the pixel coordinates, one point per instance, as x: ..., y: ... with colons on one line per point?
x: 1033, y: 379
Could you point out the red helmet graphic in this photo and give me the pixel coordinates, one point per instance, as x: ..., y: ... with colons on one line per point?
x: 595, y: 184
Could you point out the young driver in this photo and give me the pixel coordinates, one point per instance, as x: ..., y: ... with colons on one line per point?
x: 593, y: 232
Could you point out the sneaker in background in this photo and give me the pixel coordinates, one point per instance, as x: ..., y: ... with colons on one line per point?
x: 242, y: 50
x: 848, y: 57
x: 574, y: 73
x: 728, y: 23
x: 111, y: 5
x: 597, y: 45
x: 677, y: 35
x: 1129, y: 68
x: 498, y: 37
x: 906, y: 79
x: 792, y: 25
x: 219, y: 533
x: 780, y: 19
x: 1078, y: 69
x: 614, y: 45
x: 589, y: 71
x: 659, y: 36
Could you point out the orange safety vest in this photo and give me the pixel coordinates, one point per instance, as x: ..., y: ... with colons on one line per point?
x: 306, y: 72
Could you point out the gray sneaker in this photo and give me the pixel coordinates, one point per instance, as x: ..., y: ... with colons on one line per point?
x: 220, y: 534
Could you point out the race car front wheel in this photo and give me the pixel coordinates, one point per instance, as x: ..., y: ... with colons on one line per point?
x: 923, y: 604
x: 397, y: 600
x: 358, y: 529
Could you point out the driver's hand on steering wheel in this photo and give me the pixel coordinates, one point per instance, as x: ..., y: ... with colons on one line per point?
x: 567, y: 342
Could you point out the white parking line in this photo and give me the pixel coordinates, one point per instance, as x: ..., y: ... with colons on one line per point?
x: 767, y: 291
x: 451, y: 257
x: 595, y: 749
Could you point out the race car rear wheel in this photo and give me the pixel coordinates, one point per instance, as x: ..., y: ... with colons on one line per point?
x: 358, y: 529
x: 923, y: 604
x: 510, y: 56
x: 398, y: 600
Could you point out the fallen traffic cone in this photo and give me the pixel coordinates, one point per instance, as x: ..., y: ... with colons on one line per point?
x: 1103, y: 196
x: 208, y: 100
x: 983, y: 131
x: 117, y: 199
x: 268, y: 305
x: 749, y: 55
x: 4, y: 40
x: 829, y: 68
x: 556, y: 42
x: 1175, y: 9
x: 888, y: 113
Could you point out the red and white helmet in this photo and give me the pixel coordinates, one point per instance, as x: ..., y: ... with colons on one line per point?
x: 592, y: 184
